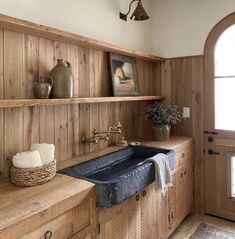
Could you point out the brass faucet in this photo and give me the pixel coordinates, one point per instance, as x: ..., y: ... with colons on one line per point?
x: 103, y: 134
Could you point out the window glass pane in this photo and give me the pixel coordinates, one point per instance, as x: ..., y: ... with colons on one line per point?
x: 225, y: 103
x: 233, y: 176
x: 225, y: 53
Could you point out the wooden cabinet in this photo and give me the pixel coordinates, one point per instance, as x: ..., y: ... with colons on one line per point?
x: 68, y: 224
x: 151, y: 215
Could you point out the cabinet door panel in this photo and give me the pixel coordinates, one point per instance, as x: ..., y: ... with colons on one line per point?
x: 172, y: 201
x: 162, y: 214
x: 148, y: 213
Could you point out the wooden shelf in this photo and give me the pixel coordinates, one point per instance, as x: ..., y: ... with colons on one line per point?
x: 12, y: 103
x: 27, y: 27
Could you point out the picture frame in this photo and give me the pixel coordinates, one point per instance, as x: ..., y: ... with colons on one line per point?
x: 124, y: 75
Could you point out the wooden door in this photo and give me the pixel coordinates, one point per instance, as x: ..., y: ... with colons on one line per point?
x: 219, y: 123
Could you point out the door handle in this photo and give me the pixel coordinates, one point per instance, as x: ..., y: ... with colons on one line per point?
x: 210, y: 132
x: 210, y: 152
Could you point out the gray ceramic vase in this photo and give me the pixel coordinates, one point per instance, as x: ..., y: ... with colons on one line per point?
x: 63, y: 80
x: 161, y: 132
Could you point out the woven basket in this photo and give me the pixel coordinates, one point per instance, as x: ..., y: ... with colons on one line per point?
x: 28, y: 177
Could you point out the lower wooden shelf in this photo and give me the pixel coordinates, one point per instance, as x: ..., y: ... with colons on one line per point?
x: 12, y: 103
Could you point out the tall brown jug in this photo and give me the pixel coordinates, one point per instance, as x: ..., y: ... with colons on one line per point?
x: 63, y: 80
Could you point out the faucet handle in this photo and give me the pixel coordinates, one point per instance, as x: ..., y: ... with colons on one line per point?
x: 95, y: 131
x: 119, y: 127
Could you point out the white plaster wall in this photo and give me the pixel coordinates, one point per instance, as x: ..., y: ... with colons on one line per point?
x: 98, y: 19
x: 180, y: 27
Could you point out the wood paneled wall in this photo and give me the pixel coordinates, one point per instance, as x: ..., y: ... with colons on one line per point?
x: 185, y: 87
x: 23, y: 58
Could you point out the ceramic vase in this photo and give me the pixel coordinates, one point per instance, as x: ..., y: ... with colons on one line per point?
x: 161, y: 132
x: 63, y: 80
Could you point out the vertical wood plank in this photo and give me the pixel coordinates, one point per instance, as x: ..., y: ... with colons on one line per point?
x: 32, y: 65
x: 103, y: 122
x: 166, y: 80
x: 73, y: 110
x: 30, y: 126
x: 61, y: 112
x: 13, y: 136
x: 83, y: 72
x: 73, y: 131
x: 94, y: 124
x: 61, y: 132
x: 73, y: 59
x: 84, y: 127
x: 47, y: 113
x: 14, y: 71
x: 93, y: 72
x: 105, y: 81
x: 197, y: 125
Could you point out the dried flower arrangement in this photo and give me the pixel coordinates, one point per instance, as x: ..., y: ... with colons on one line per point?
x: 161, y: 113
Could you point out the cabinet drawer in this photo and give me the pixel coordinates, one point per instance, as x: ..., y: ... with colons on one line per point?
x: 63, y: 226
x: 184, y: 153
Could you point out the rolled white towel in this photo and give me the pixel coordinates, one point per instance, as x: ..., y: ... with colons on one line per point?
x: 47, y: 152
x: 29, y: 159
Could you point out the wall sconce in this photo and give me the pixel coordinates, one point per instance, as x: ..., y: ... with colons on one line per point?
x: 138, y: 15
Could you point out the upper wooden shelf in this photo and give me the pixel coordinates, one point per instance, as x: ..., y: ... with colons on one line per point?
x: 27, y: 27
x: 12, y: 103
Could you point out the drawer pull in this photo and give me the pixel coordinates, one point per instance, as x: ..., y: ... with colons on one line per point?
x: 48, y: 235
x: 137, y: 198
x: 183, y: 155
x: 181, y: 175
x: 144, y: 193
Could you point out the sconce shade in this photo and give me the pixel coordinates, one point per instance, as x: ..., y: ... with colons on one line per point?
x: 139, y: 14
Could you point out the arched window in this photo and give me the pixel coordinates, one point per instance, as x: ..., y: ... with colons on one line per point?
x: 224, y: 80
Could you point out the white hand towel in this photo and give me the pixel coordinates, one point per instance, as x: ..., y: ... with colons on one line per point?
x: 163, y: 177
x: 47, y: 152
x: 30, y: 159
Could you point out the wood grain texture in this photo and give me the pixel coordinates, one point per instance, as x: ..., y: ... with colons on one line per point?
x: 51, y: 33
x: 185, y: 80
x: 38, y: 205
x: 25, y: 121
x: 90, y: 100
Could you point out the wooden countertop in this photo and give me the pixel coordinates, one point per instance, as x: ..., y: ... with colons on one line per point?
x: 173, y: 143
x: 24, y: 207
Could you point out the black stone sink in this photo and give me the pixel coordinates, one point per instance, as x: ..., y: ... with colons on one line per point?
x: 120, y: 174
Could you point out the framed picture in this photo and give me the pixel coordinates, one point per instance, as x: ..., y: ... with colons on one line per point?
x: 124, y: 75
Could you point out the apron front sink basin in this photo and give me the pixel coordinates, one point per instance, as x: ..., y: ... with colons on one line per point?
x: 120, y: 174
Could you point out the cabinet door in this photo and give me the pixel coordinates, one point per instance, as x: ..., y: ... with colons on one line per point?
x: 184, y: 189
x: 180, y: 193
x: 162, y: 220
x: 112, y: 227
x: 148, y: 213
x: 172, y: 215
x: 122, y: 221
x: 188, y: 177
